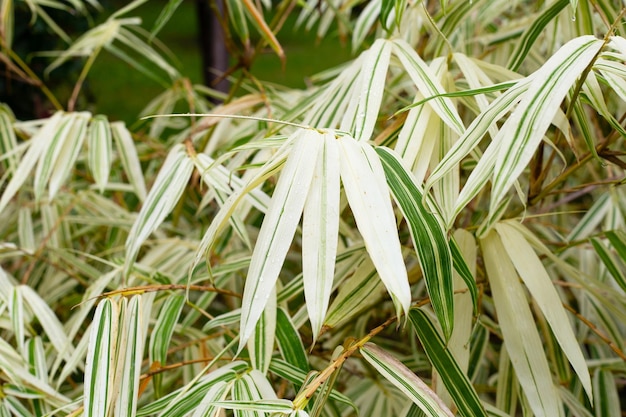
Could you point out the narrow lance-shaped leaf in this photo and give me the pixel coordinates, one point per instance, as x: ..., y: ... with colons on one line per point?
x: 130, y: 358
x: 207, y: 407
x: 98, y: 372
x: 519, y: 330
x: 261, y: 342
x: 72, y: 146
x: 266, y: 32
x: 364, y: 23
x: 289, y: 341
x: 128, y: 155
x: 163, y: 330
x: 610, y: 263
x: 531, y: 34
x: 363, y: 178
x: 320, y: 230
x: 606, y: 390
x: 272, y: 166
x: 39, y: 143
x: 238, y: 20
x: 534, y: 275
x: 526, y: 127
x: 428, y: 237
x: 52, y: 149
x: 455, y: 381
x: 16, y: 307
x: 164, y: 16
x: 8, y: 141
x: 423, y: 77
x: 51, y: 324
x: 165, y: 193
x: 363, y: 111
x: 100, y: 150
x: 406, y: 381
x: 462, y: 268
x: 278, y: 228
x: 266, y: 406
x: 360, y: 292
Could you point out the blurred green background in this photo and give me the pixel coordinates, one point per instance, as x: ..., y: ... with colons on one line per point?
x: 122, y: 91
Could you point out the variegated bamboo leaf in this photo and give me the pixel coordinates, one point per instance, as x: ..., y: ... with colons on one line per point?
x: 519, y: 330
x: 100, y: 354
x: 406, y: 381
x: 130, y: 355
x: 534, y: 275
x: 289, y: 341
x: 278, y: 229
x: 100, y: 150
x: 363, y: 179
x: 364, y: 107
x: 455, y: 381
x: 128, y: 155
x: 39, y: 143
x: 320, y: 230
x: 522, y: 132
x: 361, y: 291
x: 261, y: 342
x: 428, y: 237
x: 427, y: 83
x: 164, y: 195
x: 163, y: 330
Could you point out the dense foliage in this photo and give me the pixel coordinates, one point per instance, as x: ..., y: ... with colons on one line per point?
x: 434, y: 228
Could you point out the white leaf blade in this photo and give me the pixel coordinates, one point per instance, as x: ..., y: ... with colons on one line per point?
x: 427, y: 82
x: 98, y: 371
x: 363, y: 178
x: 278, y: 228
x: 523, y: 131
x: 320, y: 229
x: 518, y: 327
x: 370, y: 92
x: 100, y: 150
x: 50, y: 154
x: 131, y: 356
x: 66, y: 160
x: 130, y: 160
x: 261, y: 342
x: 165, y: 193
x: 406, y: 381
x: 534, y: 275
x: 38, y: 143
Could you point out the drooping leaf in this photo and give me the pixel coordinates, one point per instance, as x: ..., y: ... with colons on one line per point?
x: 278, y: 229
x: 538, y: 282
x: 518, y: 327
x: 100, y: 354
x: 429, y: 238
x: 363, y: 179
x: 406, y: 381
x: 100, y: 150
x: 456, y: 382
x: 320, y: 230
x: 289, y: 341
x: 261, y: 342
x: 128, y: 155
x: 525, y: 128
x: 164, y: 195
x: 427, y: 83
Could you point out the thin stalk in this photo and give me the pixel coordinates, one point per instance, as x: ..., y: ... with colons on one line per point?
x: 81, y: 79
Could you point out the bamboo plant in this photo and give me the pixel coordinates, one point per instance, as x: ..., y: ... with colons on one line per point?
x: 433, y: 228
